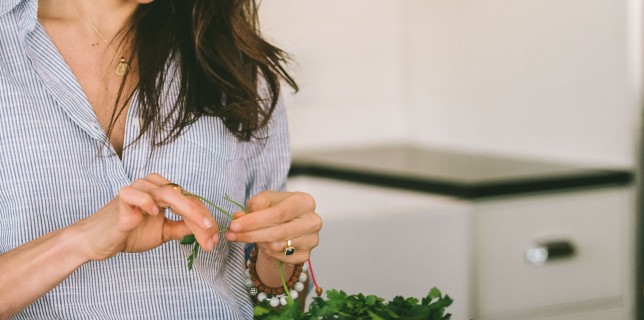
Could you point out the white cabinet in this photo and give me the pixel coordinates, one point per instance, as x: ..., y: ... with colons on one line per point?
x: 385, y: 241
x: 594, y: 279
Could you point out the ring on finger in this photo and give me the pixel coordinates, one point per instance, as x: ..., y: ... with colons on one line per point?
x: 289, y: 249
x: 174, y: 186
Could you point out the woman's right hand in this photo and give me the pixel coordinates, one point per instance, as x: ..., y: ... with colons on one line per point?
x: 134, y: 221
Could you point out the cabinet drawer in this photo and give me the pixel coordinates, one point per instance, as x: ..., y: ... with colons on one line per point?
x: 607, y: 314
x: 589, y: 313
x: 505, y: 229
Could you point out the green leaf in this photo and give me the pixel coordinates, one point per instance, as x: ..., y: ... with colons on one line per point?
x: 339, y: 305
x: 435, y: 293
x: 336, y: 295
x: 374, y: 316
x: 259, y: 311
x: 189, y: 239
x: 191, y: 260
x: 193, y: 255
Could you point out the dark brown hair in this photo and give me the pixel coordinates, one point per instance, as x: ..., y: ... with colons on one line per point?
x: 222, y: 61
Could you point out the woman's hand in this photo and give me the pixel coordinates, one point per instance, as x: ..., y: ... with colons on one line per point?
x: 275, y: 218
x: 134, y: 222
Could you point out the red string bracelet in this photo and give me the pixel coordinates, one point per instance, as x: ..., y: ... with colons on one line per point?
x: 318, y: 289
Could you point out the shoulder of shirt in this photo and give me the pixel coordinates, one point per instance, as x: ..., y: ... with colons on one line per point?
x: 7, y: 6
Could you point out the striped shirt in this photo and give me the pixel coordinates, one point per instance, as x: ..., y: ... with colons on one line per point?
x: 55, y: 169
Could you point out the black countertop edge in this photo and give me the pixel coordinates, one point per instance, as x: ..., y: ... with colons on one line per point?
x: 590, y: 179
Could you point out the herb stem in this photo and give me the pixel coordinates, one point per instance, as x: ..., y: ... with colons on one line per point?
x: 212, y: 204
x: 243, y: 208
x: 195, y: 249
x: 288, y: 293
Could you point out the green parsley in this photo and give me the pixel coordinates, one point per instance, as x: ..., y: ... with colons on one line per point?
x: 340, y: 305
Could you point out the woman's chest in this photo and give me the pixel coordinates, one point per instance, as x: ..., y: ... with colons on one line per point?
x: 52, y: 166
x: 93, y: 62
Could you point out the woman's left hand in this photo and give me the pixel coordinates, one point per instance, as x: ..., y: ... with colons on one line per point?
x: 275, y: 218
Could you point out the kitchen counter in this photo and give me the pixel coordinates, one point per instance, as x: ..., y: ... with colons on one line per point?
x: 463, y: 175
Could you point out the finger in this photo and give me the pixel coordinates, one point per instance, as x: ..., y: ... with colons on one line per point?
x: 298, y: 257
x: 161, y: 181
x: 132, y: 203
x: 205, y: 220
x: 153, y: 187
x: 144, y: 185
x: 148, y: 186
x: 196, y: 216
x: 258, y: 202
x: 175, y: 230
x: 284, y: 207
x: 207, y: 238
x: 306, y: 242
x: 307, y: 223
x: 157, y: 179
x: 265, y: 199
x: 189, y: 208
x: 137, y: 198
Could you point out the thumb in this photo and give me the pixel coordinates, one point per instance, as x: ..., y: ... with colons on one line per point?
x: 175, y: 230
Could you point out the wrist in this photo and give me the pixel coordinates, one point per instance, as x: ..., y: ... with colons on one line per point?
x: 278, y: 289
x: 70, y: 241
x: 268, y: 270
x: 92, y: 241
x: 36, y: 267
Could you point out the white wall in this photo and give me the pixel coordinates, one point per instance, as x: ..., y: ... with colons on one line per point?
x: 548, y: 78
x: 348, y: 56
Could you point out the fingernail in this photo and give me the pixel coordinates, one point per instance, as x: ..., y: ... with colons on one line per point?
x: 210, y: 245
x: 234, y: 226
x: 207, y: 223
x: 155, y: 211
x: 215, y: 238
x: 230, y: 236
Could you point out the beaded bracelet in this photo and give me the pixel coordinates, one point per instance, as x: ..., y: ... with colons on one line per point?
x: 275, y: 295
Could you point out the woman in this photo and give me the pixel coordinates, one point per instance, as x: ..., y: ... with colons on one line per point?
x: 111, y: 113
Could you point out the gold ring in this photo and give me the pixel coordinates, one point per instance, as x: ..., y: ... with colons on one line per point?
x: 290, y: 249
x: 174, y: 186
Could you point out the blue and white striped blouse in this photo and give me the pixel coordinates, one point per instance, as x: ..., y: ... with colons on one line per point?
x: 55, y: 169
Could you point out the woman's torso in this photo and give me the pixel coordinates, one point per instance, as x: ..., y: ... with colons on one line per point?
x: 56, y: 168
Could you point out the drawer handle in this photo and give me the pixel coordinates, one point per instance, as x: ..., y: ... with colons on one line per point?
x: 547, y: 251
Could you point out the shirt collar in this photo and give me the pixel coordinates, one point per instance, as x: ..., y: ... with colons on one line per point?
x: 27, y: 11
x: 7, y: 5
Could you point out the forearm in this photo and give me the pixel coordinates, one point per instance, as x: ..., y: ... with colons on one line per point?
x: 33, y: 269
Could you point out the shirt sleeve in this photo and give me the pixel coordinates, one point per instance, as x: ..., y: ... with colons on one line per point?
x: 269, y: 156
